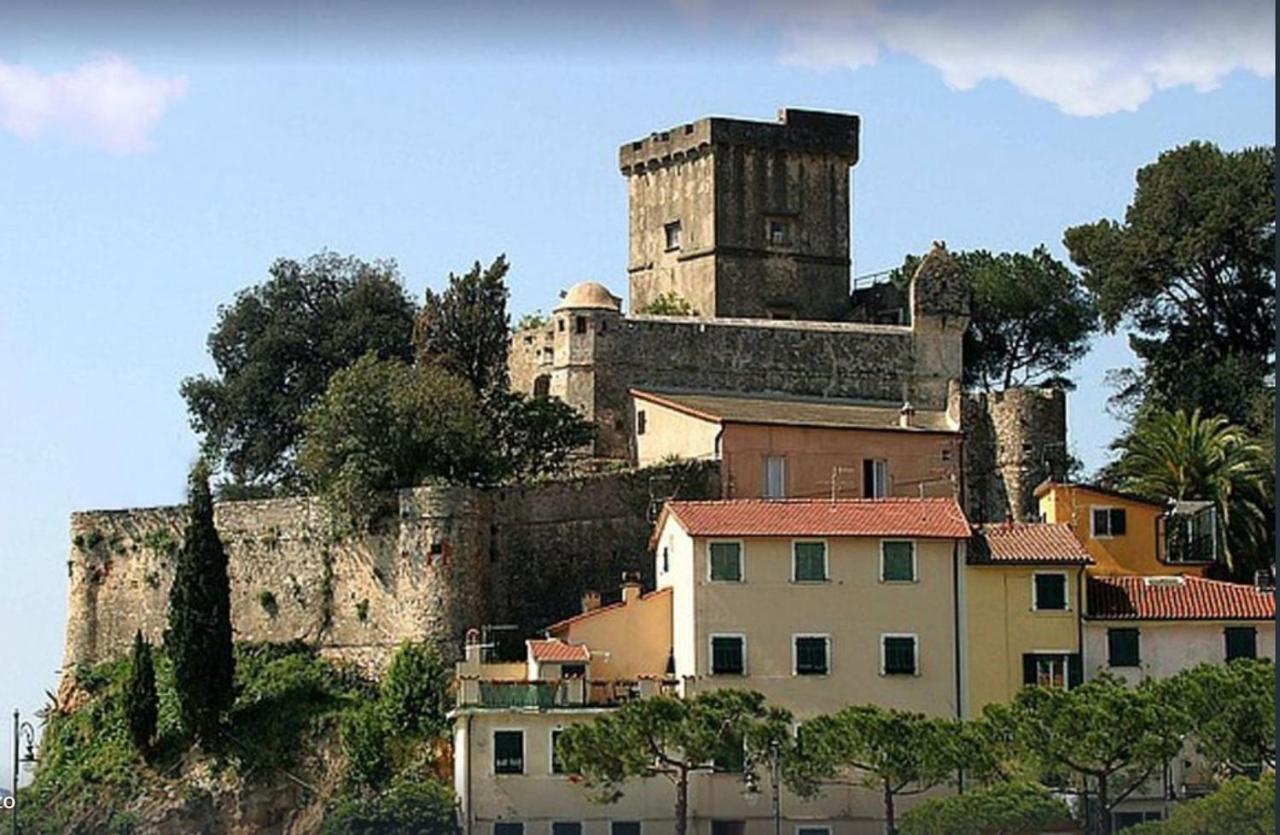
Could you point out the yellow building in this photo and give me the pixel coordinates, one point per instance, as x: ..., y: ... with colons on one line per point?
x: 1023, y: 590
x: 1126, y: 534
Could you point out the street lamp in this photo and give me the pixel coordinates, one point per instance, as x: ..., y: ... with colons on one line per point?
x: 23, y: 732
x: 751, y: 792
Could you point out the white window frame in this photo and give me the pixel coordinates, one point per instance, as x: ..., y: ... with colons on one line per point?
x: 915, y: 638
x: 1062, y: 656
x: 1066, y: 591
x: 742, y: 559
x: 1094, y: 508
x: 915, y: 562
x: 826, y: 560
x: 795, y: 654
x: 782, y: 474
x: 880, y: 467
x: 711, y: 654
x: 524, y: 754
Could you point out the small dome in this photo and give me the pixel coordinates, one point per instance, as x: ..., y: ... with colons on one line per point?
x: 589, y: 294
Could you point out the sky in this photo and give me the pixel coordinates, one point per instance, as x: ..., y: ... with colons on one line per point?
x: 156, y: 157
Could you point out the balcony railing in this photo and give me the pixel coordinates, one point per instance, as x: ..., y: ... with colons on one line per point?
x: 566, y: 693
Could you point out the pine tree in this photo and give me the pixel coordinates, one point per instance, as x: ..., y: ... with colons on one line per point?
x: 199, y: 633
x: 141, y: 704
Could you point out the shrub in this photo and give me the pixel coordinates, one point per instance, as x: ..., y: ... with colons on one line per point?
x: 364, y: 742
x: 1239, y: 805
x: 415, y: 690
x: 1004, y: 807
x: 407, y: 807
x: 668, y: 304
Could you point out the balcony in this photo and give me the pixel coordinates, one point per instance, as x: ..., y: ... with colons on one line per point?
x: 566, y: 693
x: 1189, y: 533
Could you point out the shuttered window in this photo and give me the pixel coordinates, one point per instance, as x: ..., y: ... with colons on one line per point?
x: 898, y: 562
x: 1242, y: 642
x: 899, y: 653
x: 728, y: 655
x: 812, y: 656
x: 726, y: 561
x: 1122, y: 647
x: 809, y: 562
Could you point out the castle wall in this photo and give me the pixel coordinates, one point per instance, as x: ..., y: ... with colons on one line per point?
x: 449, y: 559
x: 1014, y: 440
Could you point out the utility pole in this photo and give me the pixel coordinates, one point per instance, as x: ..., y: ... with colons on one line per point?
x: 775, y: 763
x: 16, y: 726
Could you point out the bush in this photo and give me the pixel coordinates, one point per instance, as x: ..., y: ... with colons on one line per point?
x: 415, y: 691
x: 1004, y: 807
x: 364, y: 742
x: 668, y: 304
x: 411, y: 808
x: 1241, y: 806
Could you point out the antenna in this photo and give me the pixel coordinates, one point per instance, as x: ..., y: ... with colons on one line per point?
x: 835, y: 480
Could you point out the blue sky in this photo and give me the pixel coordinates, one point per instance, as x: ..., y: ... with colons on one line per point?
x: 152, y: 163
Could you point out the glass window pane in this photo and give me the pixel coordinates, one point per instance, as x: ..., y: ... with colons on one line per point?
x: 508, y: 752
x: 810, y: 561
x: 726, y: 561
x: 899, y: 562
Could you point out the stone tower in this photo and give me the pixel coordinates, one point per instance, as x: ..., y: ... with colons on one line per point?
x: 741, y: 218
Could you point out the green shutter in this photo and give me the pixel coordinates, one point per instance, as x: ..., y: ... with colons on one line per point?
x: 1122, y: 648
x: 810, y: 561
x: 811, y: 656
x: 898, y: 562
x: 1051, y: 591
x: 1075, y: 670
x: 1242, y: 642
x: 726, y: 656
x: 726, y: 561
x: 900, y: 655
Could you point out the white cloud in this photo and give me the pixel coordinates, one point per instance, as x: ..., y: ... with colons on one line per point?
x: 106, y: 102
x: 1088, y: 58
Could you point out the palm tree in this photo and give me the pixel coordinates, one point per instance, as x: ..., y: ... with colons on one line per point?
x: 1173, y: 455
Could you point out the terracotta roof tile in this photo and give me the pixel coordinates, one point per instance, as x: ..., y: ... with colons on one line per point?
x: 936, y: 518
x: 555, y: 650
x: 1177, y: 598
x: 1038, y: 543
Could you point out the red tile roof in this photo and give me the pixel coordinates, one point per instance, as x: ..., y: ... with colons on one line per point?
x: 1184, y: 598
x: 1038, y: 543
x: 599, y: 610
x: 927, y: 518
x: 555, y: 650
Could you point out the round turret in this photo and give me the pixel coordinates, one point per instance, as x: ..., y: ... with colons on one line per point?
x: 589, y: 295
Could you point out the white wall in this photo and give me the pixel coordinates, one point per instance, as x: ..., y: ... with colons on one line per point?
x: 1167, y: 647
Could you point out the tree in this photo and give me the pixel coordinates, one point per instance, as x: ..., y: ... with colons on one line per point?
x: 668, y: 304
x: 407, y: 807
x: 1192, y: 269
x: 199, y: 634
x: 381, y: 425
x: 1240, y: 806
x: 1101, y: 733
x: 667, y: 736
x: 896, y: 753
x: 141, y: 702
x: 415, y: 690
x: 1001, y: 809
x: 275, y: 347
x: 1232, y: 710
x: 466, y: 329
x: 533, y: 436
x: 1030, y: 319
x: 1187, y: 456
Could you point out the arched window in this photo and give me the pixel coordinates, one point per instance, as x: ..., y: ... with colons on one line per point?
x: 542, y: 385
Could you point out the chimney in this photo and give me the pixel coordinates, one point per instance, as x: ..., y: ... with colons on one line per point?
x: 907, y: 415
x: 590, y: 601
x: 630, y: 587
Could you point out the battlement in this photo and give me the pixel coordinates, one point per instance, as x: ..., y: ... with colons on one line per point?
x: 802, y: 131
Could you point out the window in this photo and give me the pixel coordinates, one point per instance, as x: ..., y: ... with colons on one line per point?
x: 642, y: 422
x: 728, y: 655
x: 580, y: 324
x: 1124, y: 820
x: 1108, y: 522
x: 812, y: 655
x: 875, y: 478
x: 813, y: 830
x: 566, y: 828
x: 1122, y: 647
x: 1049, y: 592
x: 809, y: 562
x: 898, y: 562
x: 728, y: 827
x: 898, y: 655
x: 726, y: 561
x: 1242, y: 642
x: 508, y: 752
x: 672, y: 232
x: 542, y: 385
x: 573, y: 671
x: 560, y: 325
x: 1052, y: 669
x: 775, y: 477
x: 666, y: 559
x: 557, y: 767
x: 778, y: 233
x: 508, y: 828
x: 624, y: 828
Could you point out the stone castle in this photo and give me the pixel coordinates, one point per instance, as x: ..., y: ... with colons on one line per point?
x: 748, y: 222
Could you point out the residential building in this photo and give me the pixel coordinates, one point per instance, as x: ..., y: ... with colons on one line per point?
x: 790, y: 447
x: 1139, y: 627
x: 1023, y: 589
x: 1127, y: 534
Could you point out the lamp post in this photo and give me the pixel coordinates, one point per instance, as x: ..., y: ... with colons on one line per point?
x: 751, y: 792
x: 22, y: 732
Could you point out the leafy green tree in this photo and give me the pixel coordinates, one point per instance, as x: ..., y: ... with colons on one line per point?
x: 667, y: 736
x: 1232, y: 709
x: 534, y: 436
x: 141, y: 701
x: 668, y: 304
x: 894, y: 752
x: 1192, y: 269
x: 1188, y: 456
x: 1001, y: 809
x: 407, y: 807
x: 465, y: 329
x: 364, y: 735
x: 383, y: 424
x: 198, y: 637
x: 1102, y: 736
x: 415, y: 690
x: 1240, y: 806
x: 275, y: 348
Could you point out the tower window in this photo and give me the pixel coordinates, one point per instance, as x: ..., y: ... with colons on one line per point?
x: 779, y: 233
x: 580, y: 324
x: 672, y: 231
x: 542, y: 385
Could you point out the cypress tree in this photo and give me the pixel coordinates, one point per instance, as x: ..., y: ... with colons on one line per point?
x: 199, y: 633
x: 141, y: 705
